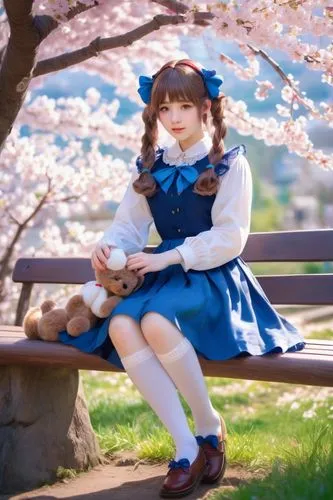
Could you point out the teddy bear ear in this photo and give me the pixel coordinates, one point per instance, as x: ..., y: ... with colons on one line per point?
x: 117, y: 259
x: 47, y: 306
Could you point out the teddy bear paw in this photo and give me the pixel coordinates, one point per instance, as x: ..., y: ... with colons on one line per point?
x: 78, y: 325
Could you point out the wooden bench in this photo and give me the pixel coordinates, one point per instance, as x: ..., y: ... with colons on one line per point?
x: 44, y: 364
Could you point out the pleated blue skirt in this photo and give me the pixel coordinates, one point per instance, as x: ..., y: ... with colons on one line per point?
x: 223, y: 312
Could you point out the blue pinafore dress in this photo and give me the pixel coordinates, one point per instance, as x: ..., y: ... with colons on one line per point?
x: 223, y: 311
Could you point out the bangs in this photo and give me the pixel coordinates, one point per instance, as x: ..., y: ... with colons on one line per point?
x: 179, y: 85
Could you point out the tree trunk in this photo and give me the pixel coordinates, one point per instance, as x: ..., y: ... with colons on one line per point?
x: 44, y: 424
x: 17, y: 63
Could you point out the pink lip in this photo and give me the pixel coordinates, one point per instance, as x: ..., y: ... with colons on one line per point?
x: 178, y: 129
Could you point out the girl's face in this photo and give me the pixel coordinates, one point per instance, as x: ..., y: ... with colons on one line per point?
x: 181, y: 119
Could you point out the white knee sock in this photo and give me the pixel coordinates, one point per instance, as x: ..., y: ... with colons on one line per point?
x: 155, y: 385
x: 183, y: 366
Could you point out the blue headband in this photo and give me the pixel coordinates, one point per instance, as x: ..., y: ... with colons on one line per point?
x: 210, y: 78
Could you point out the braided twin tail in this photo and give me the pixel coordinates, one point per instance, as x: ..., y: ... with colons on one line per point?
x: 146, y: 184
x: 207, y: 182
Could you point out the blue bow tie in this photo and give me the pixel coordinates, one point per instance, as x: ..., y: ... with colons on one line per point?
x: 185, y: 175
x: 211, y: 439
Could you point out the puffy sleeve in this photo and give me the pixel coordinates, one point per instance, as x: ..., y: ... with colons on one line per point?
x: 231, y: 217
x: 130, y: 227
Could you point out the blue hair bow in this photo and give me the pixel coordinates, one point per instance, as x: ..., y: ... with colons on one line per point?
x: 210, y: 78
x: 212, y: 81
x: 146, y: 84
x: 183, y: 463
x: 211, y: 439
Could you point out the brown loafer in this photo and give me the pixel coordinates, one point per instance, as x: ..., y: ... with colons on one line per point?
x: 215, y: 452
x: 182, y: 478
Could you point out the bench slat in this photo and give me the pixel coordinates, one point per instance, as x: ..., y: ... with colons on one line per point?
x: 310, y: 366
x: 279, y: 246
x: 290, y: 246
x: 53, y: 270
x: 321, y: 341
x: 10, y: 332
x: 318, y: 352
x: 292, y: 368
x: 11, y: 328
x: 327, y: 350
x: 299, y: 289
x: 283, y: 290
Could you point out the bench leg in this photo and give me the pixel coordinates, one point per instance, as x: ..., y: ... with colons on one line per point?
x: 44, y: 424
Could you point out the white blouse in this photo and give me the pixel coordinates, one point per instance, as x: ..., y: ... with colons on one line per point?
x: 231, y: 214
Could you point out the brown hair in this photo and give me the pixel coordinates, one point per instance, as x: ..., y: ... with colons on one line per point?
x: 181, y: 80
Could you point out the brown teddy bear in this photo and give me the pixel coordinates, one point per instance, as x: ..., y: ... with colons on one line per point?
x: 45, y: 322
x: 97, y: 299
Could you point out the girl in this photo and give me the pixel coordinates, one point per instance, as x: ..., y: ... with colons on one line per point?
x: 198, y: 296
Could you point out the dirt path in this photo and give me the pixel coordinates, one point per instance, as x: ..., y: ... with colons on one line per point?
x: 125, y: 479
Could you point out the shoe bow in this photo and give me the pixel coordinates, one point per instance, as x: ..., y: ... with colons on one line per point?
x: 183, y: 463
x: 211, y: 439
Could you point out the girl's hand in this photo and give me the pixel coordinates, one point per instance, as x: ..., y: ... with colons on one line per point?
x: 100, y: 256
x: 144, y: 263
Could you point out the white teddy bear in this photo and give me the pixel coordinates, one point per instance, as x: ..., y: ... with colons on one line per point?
x: 94, y: 294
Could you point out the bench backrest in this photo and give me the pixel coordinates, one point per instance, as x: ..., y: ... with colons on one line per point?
x: 282, y: 246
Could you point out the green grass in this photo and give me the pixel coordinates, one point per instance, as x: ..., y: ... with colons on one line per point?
x: 282, y: 431
x: 304, y: 472
x: 326, y: 334
x: 63, y: 473
x: 262, y: 418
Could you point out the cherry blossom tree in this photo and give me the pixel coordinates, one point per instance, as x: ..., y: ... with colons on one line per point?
x: 57, y: 169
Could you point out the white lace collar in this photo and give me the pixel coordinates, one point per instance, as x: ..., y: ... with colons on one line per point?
x: 174, y: 155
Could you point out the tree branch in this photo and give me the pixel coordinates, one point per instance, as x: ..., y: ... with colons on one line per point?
x: 12, y: 217
x: 2, y: 52
x: 173, y: 5
x: 286, y: 79
x: 176, y: 6
x: 19, y: 58
x: 66, y: 199
x: 47, y: 24
x: 271, y: 62
x: 21, y: 227
x: 101, y: 44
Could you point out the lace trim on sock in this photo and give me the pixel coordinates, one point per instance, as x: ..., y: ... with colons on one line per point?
x: 137, y: 357
x: 178, y: 352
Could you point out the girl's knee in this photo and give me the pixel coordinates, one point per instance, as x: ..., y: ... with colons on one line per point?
x: 119, y: 326
x: 125, y: 334
x: 159, y: 332
x: 149, y: 328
